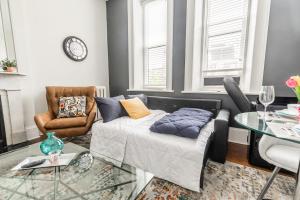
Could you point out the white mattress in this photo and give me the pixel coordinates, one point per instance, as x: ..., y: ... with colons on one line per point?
x: 176, y: 159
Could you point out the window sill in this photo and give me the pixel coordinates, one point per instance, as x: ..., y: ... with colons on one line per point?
x: 214, y: 92
x: 149, y: 90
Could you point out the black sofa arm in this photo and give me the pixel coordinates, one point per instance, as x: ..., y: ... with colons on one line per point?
x: 219, y: 146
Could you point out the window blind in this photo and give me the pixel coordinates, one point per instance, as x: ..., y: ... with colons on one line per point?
x: 225, y: 38
x: 155, y: 40
x: 155, y: 68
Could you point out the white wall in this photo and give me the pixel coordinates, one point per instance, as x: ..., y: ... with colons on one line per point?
x: 40, y: 27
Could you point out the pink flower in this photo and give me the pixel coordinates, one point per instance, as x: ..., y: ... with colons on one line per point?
x: 297, y: 79
x: 291, y: 83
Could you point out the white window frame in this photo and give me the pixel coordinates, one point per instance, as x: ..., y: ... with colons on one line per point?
x: 136, y: 46
x: 258, y: 20
x: 204, y: 53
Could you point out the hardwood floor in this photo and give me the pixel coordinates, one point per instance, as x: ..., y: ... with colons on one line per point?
x: 237, y: 153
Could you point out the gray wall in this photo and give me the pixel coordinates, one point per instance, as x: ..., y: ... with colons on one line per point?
x: 117, y: 36
x: 283, y: 47
x: 118, y: 49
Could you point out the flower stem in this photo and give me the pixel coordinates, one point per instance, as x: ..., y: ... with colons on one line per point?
x: 297, y: 92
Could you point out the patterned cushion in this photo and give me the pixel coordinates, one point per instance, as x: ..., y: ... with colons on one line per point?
x: 72, y: 107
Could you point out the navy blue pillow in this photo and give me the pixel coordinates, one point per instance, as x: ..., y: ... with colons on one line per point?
x: 142, y: 97
x: 110, y: 108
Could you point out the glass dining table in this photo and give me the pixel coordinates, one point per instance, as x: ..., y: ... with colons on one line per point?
x: 252, y: 121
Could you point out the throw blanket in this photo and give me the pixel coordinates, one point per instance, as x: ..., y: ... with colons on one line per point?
x: 109, y: 139
x: 185, y: 122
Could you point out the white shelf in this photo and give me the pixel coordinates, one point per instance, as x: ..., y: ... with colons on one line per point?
x: 12, y: 74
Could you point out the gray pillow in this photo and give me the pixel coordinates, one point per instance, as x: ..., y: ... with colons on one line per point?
x: 110, y: 108
x: 142, y: 97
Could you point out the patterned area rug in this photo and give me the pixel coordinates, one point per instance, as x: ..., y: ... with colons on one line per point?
x: 229, y: 181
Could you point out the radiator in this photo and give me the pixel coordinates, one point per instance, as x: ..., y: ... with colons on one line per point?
x: 101, y: 92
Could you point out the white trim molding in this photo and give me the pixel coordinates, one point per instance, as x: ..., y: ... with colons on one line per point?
x: 214, y: 92
x: 239, y: 135
x: 252, y: 77
x: 13, y: 116
x: 193, y: 55
x: 130, y: 42
x: 32, y: 132
x: 257, y: 43
x: 136, y: 49
x: 170, y: 31
x: 149, y: 90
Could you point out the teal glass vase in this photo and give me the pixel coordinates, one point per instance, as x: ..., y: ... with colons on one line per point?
x: 52, y: 144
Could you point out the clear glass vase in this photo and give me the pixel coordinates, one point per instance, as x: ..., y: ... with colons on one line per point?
x: 52, y: 144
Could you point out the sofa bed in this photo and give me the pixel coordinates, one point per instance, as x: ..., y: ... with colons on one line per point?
x: 176, y: 159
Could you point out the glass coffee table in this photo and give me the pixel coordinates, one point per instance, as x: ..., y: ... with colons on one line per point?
x: 101, y: 180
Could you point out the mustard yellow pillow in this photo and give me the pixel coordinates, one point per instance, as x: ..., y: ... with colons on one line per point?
x: 135, y: 108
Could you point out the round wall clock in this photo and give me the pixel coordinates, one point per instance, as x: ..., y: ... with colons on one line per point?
x: 75, y: 48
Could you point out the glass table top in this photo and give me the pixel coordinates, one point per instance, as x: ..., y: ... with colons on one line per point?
x: 101, y: 181
x: 251, y: 121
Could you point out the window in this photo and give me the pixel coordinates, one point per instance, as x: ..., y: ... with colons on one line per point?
x: 150, y: 44
x: 155, y: 67
x: 225, y: 38
x: 155, y: 44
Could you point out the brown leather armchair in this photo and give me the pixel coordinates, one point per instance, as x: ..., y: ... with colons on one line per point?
x: 67, y: 127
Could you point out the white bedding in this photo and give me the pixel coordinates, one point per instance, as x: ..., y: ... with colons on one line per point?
x: 176, y: 159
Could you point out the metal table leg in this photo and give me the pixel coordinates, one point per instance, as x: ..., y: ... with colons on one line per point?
x: 268, y: 184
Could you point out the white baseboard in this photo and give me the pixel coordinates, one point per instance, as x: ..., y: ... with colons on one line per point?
x: 238, y: 135
x: 32, y: 132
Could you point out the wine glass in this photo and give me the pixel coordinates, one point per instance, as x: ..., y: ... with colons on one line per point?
x: 266, y: 97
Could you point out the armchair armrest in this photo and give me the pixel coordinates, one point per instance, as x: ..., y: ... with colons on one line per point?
x: 218, y: 149
x: 42, y: 119
x: 91, y: 117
